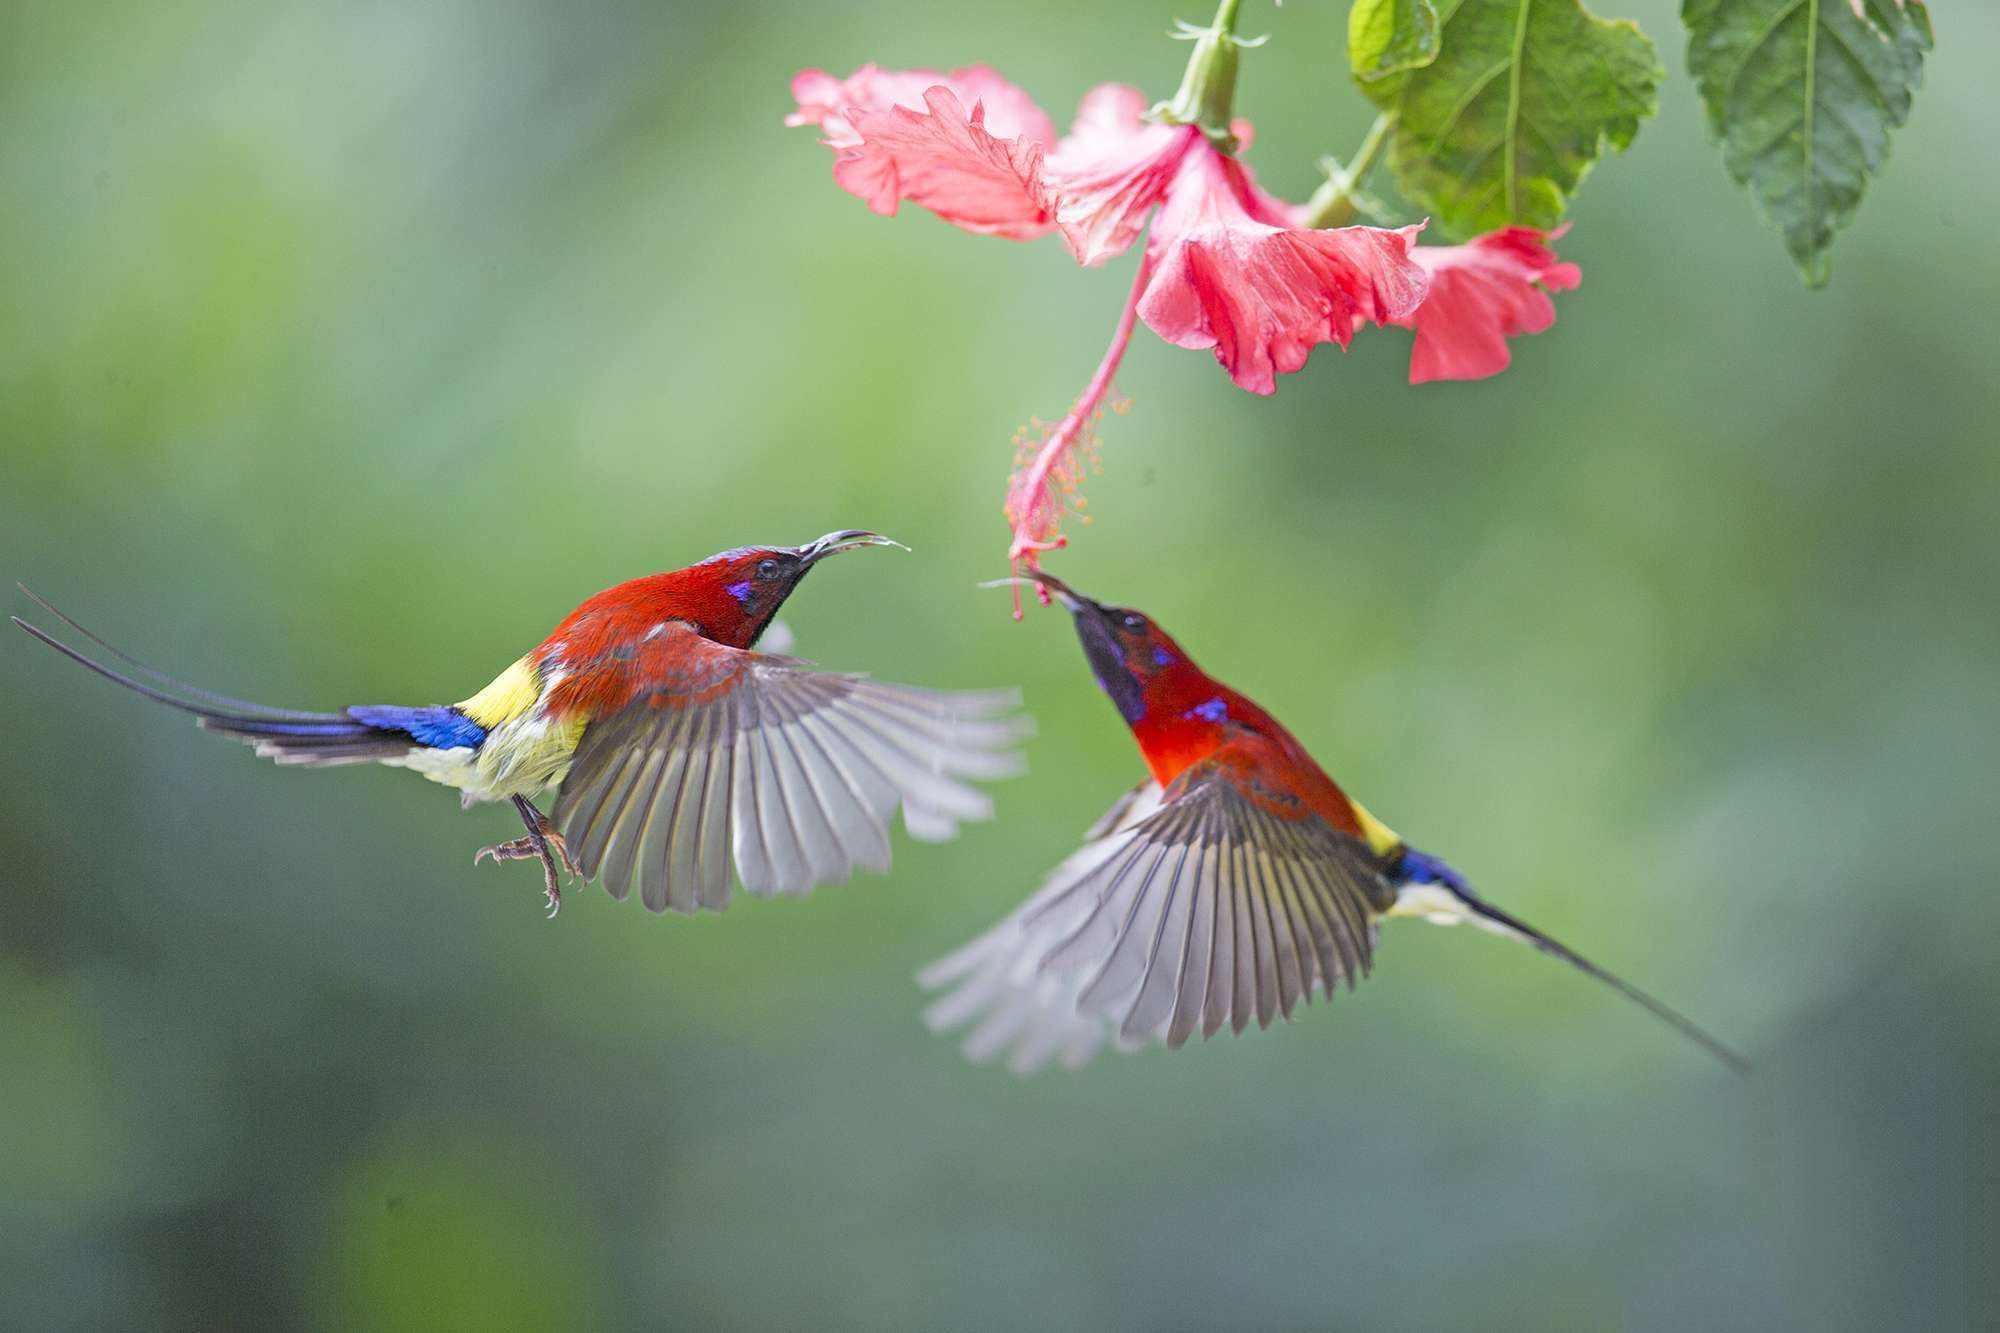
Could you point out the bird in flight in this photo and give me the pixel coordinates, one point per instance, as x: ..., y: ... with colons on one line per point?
x: 1235, y: 881
x: 673, y: 747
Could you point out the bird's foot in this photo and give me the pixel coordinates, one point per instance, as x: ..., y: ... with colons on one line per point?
x: 520, y: 849
x: 523, y: 849
x: 542, y: 842
x: 560, y: 846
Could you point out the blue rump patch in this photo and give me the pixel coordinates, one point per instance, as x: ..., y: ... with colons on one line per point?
x: 1423, y: 868
x: 439, y: 726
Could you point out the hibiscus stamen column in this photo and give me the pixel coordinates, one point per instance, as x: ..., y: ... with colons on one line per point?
x: 1034, y: 507
x: 1037, y: 496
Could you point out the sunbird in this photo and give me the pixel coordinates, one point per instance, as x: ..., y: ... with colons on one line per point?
x: 1236, y: 880
x: 673, y: 747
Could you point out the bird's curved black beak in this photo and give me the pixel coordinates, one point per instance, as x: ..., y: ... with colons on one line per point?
x: 1073, y: 601
x: 847, y: 539
x: 1094, y: 630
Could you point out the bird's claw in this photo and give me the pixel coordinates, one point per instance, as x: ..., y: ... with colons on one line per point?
x: 520, y: 849
x: 542, y: 842
x: 517, y: 849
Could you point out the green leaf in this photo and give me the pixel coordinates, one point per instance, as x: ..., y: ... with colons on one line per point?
x: 1387, y: 37
x: 1802, y: 95
x: 1512, y: 114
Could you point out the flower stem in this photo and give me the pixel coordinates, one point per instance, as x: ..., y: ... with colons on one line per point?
x: 1333, y: 203
x: 1029, y: 497
x: 1207, y: 95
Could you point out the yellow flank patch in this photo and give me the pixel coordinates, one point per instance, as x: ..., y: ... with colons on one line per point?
x: 512, y: 693
x: 1381, y: 837
x: 526, y: 757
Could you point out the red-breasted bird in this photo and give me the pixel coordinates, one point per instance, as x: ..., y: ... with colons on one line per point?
x: 673, y: 748
x: 1235, y: 881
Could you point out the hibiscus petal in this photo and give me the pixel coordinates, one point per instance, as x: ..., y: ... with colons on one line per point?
x: 1482, y: 293
x: 1010, y: 112
x: 824, y: 100
x: 1231, y: 276
x: 1111, y: 169
x: 946, y: 160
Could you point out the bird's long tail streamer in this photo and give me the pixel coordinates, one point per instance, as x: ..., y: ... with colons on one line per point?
x: 1673, y: 1018
x: 159, y: 678
x: 283, y: 733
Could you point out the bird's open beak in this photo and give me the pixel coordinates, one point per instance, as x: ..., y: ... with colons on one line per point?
x: 848, y: 539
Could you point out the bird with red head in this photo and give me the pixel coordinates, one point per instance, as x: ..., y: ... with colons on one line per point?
x: 1235, y: 882
x: 676, y: 751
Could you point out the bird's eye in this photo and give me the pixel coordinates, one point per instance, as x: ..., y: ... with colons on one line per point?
x: 767, y: 569
x: 1133, y: 621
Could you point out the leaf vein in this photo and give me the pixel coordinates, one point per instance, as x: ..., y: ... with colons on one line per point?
x: 1750, y: 52
x: 1806, y: 137
x: 1458, y: 109
x: 1847, y: 49
x: 1509, y: 167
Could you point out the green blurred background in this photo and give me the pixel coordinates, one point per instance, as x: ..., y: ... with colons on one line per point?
x: 344, y: 348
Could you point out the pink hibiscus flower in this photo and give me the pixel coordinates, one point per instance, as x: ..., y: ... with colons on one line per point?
x: 1482, y: 293
x: 905, y: 134
x: 1226, y: 266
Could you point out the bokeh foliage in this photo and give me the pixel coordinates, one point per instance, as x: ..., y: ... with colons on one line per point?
x: 342, y: 349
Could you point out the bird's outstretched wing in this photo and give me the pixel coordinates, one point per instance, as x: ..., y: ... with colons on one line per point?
x: 792, y: 774
x: 1214, y: 902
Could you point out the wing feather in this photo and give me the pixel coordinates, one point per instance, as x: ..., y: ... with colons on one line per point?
x: 1324, y: 952
x: 1222, y: 963
x: 821, y: 795
x: 1191, y: 997
x: 1351, y: 903
x: 1278, y: 966
x: 791, y: 775
x: 656, y: 835
x: 1144, y: 902
x: 747, y: 842
x: 1243, y: 999
x: 1302, y: 957
x: 786, y: 840
x: 628, y: 830
x: 1098, y: 907
x: 1213, y: 906
x: 591, y: 838
x: 712, y: 880
x: 677, y: 880
x: 846, y: 777
x: 1166, y: 951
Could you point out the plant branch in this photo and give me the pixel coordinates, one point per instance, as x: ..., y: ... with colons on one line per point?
x: 1340, y: 196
